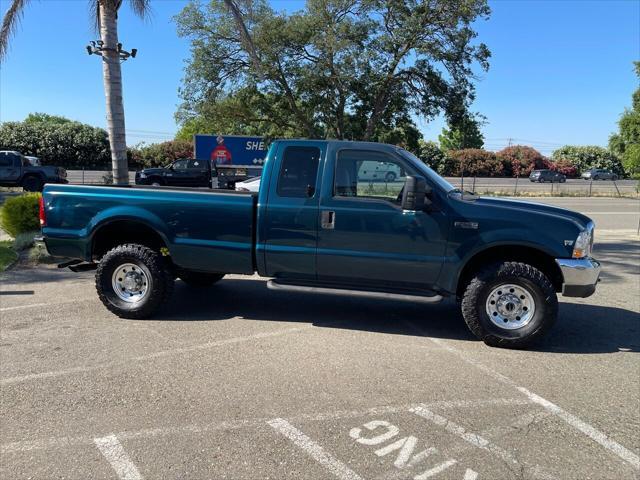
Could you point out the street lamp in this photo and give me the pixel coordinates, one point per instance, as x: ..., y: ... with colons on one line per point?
x: 96, y: 47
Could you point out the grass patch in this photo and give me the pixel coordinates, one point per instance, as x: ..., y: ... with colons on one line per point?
x: 7, y: 254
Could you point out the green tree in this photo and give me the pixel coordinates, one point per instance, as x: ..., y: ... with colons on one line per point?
x: 105, y: 13
x: 626, y: 143
x: 347, y: 69
x: 45, y: 118
x: 463, y: 132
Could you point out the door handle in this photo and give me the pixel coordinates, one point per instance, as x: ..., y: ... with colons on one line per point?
x: 328, y: 219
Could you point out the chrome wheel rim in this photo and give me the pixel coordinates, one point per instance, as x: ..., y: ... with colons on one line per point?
x: 130, y: 282
x: 510, y: 306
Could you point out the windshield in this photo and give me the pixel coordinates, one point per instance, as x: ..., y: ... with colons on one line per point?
x: 426, y: 170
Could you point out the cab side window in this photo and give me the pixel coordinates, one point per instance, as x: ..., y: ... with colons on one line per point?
x: 298, y: 172
x: 180, y: 164
x: 368, y: 174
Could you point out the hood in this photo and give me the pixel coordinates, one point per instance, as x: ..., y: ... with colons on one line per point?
x: 532, y: 207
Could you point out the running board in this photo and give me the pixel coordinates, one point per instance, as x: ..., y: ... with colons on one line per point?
x: 286, y: 287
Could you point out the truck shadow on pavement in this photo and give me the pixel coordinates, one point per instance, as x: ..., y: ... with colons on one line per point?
x: 581, y: 328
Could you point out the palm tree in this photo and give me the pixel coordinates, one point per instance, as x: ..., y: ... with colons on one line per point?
x: 106, y: 16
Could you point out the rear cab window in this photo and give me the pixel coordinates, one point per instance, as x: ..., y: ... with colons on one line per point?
x: 298, y: 172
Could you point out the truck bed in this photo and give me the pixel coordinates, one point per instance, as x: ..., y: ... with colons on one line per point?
x: 204, y: 230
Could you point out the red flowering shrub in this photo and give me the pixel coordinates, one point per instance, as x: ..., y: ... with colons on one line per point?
x: 566, y: 167
x: 474, y: 162
x: 520, y: 160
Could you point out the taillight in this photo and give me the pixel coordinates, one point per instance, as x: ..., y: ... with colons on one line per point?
x: 43, y: 216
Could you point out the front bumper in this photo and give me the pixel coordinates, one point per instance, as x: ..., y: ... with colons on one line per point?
x: 581, y: 275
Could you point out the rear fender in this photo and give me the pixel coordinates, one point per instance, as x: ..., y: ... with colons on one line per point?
x: 132, y: 214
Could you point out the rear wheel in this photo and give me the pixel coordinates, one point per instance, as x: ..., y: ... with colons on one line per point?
x: 32, y: 184
x: 200, y: 280
x: 133, y: 281
x: 510, y: 305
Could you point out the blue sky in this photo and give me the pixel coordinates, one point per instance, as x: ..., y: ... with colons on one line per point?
x: 561, y: 71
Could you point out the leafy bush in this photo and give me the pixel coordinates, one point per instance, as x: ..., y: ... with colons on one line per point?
x: 631, y: 159
x: 431, y: 154
x: 20, y: 214
x: 159, y: 154
x: 520, y: 160
x: 588, y: 157
x: 565, y: 167
x: 57, y: 141
x: 474, y: 162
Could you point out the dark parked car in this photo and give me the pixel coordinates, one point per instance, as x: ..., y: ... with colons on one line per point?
x: 17, y: 171
x: 547, y: 176
x: 184, y: 172
x: 599, y: 174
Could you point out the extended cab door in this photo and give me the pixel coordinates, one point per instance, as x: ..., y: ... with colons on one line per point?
x: 291, y: 218
x: 365, y: 237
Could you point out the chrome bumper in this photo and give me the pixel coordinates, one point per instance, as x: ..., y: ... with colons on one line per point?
x: 580, y: 276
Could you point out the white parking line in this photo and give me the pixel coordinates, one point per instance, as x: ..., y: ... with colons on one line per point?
x: 150, y: 356
x: 316, y: 452
x: 580, y: 425
x: 112, y: 450
x: 69, y: 442
x: 472, y: 438
x: 585, y: 428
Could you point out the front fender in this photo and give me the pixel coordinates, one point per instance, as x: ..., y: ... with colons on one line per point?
x: 462, y: 251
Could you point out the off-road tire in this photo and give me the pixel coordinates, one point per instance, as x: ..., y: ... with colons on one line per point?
x: 200, y: 280
x: 32, y: 184
x: 161, y: 280
x: 390, y: 177
x: 533, y: 280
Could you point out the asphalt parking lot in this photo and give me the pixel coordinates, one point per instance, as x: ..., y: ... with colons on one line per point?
x: 240, y: 382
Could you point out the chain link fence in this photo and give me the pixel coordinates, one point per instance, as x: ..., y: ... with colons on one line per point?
x: 487, y: 186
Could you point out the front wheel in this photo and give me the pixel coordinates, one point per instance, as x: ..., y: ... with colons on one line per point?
x: 200, y: 280
x: 509, y: 304
x: 133, y: 281
x: 390, y: 177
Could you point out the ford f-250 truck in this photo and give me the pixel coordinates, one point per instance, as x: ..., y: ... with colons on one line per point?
x: 320, y: 224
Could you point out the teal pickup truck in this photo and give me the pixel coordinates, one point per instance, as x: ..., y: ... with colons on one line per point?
x: 323, y: 224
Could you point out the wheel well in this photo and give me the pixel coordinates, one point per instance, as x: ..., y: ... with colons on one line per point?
x: 512, y: 253
x: 124, y: 231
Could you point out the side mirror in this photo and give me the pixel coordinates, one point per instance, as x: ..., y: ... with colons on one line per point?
x: 414, y: 193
